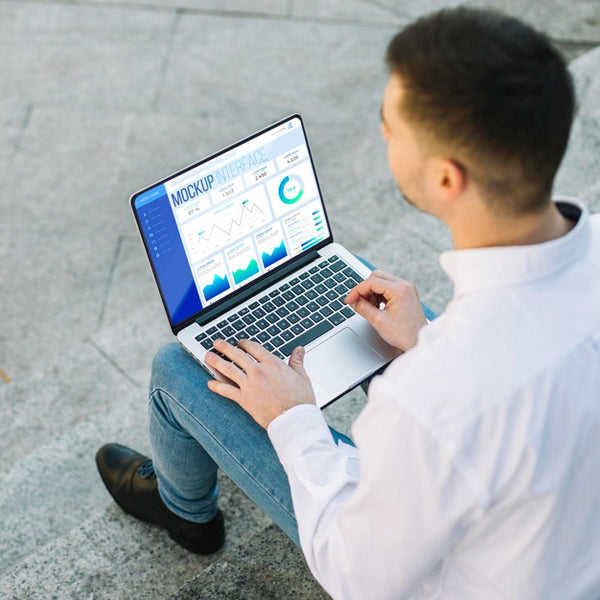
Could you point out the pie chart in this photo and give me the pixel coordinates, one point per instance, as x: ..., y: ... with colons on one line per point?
x: 291, y: 189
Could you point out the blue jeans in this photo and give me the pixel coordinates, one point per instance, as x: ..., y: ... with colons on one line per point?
x: 193, y: 432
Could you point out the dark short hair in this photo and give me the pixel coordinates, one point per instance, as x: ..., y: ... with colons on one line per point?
x: 493, y: 90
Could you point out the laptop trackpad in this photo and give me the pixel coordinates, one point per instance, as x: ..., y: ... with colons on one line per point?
x: 340, y: 360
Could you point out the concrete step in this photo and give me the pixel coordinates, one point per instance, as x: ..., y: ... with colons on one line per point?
x: 63, y: 536
x: 268, y: 566
x: 110, y: 555
x: 71, y: 387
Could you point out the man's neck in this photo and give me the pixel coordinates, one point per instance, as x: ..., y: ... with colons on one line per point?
x: 485, y: 230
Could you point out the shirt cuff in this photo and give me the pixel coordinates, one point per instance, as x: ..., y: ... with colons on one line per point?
x: 296, y: 429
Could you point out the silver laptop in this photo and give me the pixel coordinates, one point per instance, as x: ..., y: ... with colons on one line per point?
x: 241, y: 247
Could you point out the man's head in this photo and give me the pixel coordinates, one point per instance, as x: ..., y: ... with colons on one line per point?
x: 488, y: 93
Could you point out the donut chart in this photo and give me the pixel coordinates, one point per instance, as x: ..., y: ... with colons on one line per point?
x: 291, y: 189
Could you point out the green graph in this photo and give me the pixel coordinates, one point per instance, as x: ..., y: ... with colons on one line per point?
x: 240, y: 275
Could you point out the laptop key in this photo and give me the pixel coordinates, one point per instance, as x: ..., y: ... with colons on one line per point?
x: 351, y: 273
x: 336, y: 318
x: 306, y: 323
x: 307, y: 337
x: 263, y: 336
x: 273, y: 330
x: 212, y: 330
x: 297, y: 329
x: 201, y: 337
x: 302, y: 300
x: 276, y: 341
x: 293, y: 318
x: 287, y: 335
x: 283, y: 311
x: 303, y: 312
x: 228, y: 331
x: 207, y: 343
x: 347, y: 312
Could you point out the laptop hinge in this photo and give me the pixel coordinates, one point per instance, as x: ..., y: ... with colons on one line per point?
x: 211, y: 313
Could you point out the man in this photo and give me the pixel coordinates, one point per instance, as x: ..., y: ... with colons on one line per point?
x: 475, y: 471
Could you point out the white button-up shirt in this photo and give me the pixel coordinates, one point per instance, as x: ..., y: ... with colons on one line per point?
x: 477, y: 468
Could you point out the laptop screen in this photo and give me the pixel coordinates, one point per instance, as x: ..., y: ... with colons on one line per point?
x: 220, y: 224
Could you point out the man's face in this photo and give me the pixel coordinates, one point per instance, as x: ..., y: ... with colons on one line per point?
x: 405, y: 156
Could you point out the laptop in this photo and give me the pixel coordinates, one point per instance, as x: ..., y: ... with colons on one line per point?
x: 241, y: 247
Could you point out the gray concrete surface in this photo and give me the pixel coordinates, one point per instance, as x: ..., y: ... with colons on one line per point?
x: 101, y: 97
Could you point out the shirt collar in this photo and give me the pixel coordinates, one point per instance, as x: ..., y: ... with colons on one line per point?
x: 481, y: 268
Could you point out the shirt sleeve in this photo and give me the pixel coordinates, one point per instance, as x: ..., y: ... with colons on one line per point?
x: 374, y: 528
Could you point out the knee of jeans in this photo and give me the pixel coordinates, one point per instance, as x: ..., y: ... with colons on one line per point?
x: 163, y: 364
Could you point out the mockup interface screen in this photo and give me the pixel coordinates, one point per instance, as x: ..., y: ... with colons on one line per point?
x: 221, y: 224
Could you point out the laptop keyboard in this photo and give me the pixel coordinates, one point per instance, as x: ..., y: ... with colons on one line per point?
x: 294, y: 314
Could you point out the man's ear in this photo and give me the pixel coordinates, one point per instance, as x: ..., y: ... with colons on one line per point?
x: 450, y: 179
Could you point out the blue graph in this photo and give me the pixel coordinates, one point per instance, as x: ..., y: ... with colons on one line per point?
x: 278, y: 253
x: 218, y: 286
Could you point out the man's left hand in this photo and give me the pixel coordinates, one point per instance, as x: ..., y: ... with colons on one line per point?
x: 262, y: 384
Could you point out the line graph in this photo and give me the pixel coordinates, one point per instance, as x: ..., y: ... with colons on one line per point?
x: 230, y: 221
x: 246, y: 211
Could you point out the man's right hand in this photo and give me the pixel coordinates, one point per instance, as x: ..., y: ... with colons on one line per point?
x: 392, y: 307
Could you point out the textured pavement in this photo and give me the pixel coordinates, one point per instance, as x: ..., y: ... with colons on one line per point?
x: 100, y: 98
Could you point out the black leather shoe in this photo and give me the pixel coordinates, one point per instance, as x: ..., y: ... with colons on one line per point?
x: 130, y: 479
